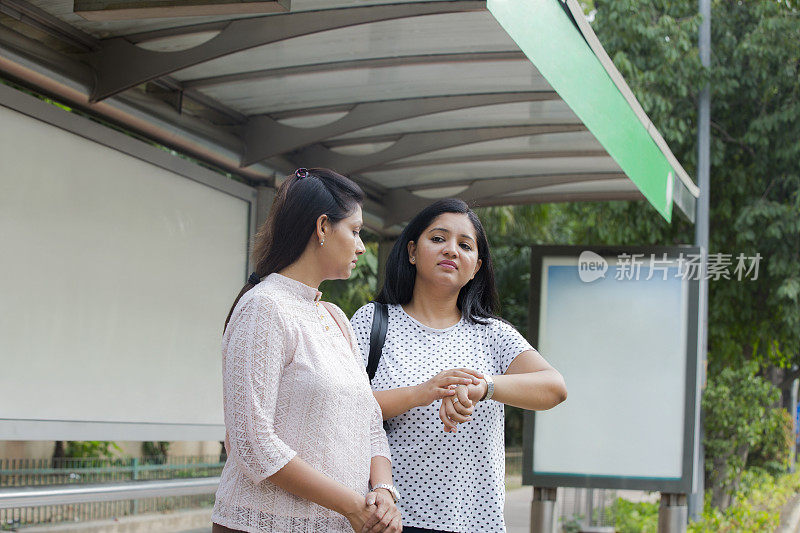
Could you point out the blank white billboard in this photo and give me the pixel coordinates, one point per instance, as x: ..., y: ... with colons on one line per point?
x: 621, y: 344
x: 116, y: 278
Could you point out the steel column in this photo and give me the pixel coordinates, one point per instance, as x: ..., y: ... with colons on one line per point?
x: 702, y: 240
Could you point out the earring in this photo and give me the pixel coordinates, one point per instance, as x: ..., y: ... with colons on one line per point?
x: 322, y: 242
x: 413, y: 259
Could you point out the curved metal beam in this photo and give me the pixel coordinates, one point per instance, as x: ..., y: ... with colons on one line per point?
x: 331, y: 66
x: 492, y: 157
x: 121, y: 65
x: 551, y: 198
x: 40, y: 19
x: 265, y: 137
x: 419, y: 143
x: 406, y: 204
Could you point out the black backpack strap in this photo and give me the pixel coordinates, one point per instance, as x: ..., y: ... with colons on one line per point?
x: 380, y: 323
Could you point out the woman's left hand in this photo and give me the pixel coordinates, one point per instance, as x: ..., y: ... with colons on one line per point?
x: 458, y: 408
x: 386, y: 517
x: 473, y: 392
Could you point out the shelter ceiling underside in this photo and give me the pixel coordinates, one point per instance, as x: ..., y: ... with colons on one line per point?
x: 414, y: 100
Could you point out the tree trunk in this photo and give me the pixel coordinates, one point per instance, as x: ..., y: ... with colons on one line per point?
x: 775, y: 376
x: 789, y: 377
x: 723, y: 482
x: 223, y: 455
x: 717, y: 482
x: 742, y: 452
x: 58, y: 454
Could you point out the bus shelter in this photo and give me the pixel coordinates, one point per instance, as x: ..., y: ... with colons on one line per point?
x: 497, y: 102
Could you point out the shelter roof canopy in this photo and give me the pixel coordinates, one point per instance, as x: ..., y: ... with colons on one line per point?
x: 498, y: 102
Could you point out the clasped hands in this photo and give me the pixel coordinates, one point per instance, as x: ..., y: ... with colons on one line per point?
x: 459, y: 389
x: 379, y: 513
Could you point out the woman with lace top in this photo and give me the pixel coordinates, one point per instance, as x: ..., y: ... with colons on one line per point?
x: 444, y: 342
x: 306, y: 447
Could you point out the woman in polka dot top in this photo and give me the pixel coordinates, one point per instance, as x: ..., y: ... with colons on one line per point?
x: 447, y: 367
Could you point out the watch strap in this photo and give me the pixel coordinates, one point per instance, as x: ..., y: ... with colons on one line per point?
x: 392, y: 490
x: 489, y: 387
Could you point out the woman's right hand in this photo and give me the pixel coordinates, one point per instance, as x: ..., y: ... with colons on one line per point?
x: 440, y: 385
x: 359, y: 515
x: 365, y: 511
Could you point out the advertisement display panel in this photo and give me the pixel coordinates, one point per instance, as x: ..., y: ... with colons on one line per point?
x: 120, y: 262
x: 621, y: 327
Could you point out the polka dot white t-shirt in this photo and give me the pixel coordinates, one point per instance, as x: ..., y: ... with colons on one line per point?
x: 447, y: 481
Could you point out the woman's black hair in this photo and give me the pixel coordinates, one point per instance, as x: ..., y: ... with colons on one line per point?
x: 300, y: 200
x: 477, y: 300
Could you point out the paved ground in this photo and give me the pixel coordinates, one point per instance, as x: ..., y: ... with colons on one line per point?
x: 518, y: 510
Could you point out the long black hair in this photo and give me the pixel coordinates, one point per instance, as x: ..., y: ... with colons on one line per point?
x: 477, y: 300
x: 300, y: 200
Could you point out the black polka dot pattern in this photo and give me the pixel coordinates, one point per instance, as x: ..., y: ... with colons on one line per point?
x: 447, y: 481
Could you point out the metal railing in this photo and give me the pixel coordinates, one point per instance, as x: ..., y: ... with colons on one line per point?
x: 18, y: 497
x: 30, y: 472
x: 581, y: 508
x: 37, y: 491
x: 71, y: 490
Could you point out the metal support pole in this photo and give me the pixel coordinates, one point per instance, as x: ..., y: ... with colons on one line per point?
x: 701, y: 240
x: 793, y: 411
x: 543, y: 510
x: 672, y: 513
x: 589, y: 507
x: 135, y: 477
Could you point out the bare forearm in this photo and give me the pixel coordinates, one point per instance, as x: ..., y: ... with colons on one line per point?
x: 303, y: 480
x: 380, y: 471
x: 536, y: 391
x: 397, y: 401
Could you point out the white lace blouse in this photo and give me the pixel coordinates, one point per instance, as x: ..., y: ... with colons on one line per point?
x: 292, y: 385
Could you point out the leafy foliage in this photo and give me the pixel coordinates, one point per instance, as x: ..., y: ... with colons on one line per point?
x: 754, y: 152
x: 572, y: 524
x: 739, y: 418
x: 755, y: 182
x: 155, y: 452
x: 755, y: 188
x: 634, y: 517
x: 757, y: 508
x: 772, y: 452
x: 91, y: 448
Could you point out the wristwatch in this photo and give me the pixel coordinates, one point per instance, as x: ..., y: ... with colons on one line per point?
x: 489, y: 387
x: 390, y: 488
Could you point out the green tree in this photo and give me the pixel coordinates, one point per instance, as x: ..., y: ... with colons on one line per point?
x: 739, y: 416
x: 91, y: 449
x: 755, y: 118
x: 755, y: 178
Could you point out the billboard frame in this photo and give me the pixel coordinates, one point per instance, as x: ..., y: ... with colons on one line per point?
x: 105, y: 135
x: 690, y: 427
